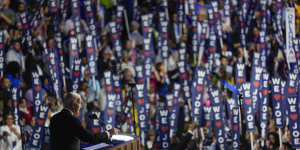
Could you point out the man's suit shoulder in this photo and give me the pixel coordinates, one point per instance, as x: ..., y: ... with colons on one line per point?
x: 63, y: 116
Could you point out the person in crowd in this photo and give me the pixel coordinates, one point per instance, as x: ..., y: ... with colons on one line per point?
x: 273, y: 142
x: 135, y: 34
x: 132, y: 51
x: 84, y: 64
x: 226, y: 53
x: 33, y: 64
x: 46, y: 84
x: 254, y: 35
x: 6, y: 96
x: 13, y: 74
x: 241, y: 56
x: 153, y: 98
x: 104, y: 60
x: 94, y: 87
x: 84, y: 93
x: 16, y: 35
x: 66, y: 130
x: 184, y: 141
x: 206, y: 141
x: 10, y: 134
x: 6, y: 14
x: 127, y: 77
x: 225, y: 71
x: 29, y: 96
x: 26, y: 111
x: 28, y: 129
x: 161, y: 80
x: 15, y: 54
x: 127, y: 64
x: 172, y: 67
x: 174, y: 30
x: 55, y: 105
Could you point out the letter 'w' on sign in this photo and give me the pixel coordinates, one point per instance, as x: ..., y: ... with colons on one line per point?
x: 163, y: 113
x: 216, y: 109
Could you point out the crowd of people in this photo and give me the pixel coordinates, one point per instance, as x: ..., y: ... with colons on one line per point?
x: 20, y: 56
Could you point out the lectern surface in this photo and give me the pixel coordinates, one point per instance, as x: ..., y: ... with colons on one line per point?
x: 95, y: 147
x: 117, y: 143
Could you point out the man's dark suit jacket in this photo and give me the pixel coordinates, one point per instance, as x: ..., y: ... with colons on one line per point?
x: 66, y: 132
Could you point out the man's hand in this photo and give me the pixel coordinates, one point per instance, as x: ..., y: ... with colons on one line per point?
x: 113, y: 131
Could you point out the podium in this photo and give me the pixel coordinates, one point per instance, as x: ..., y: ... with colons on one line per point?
x: 130, y: 145
x: 134, y: 144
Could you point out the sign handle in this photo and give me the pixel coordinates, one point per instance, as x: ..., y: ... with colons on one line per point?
x: 280, y: 139
x: 251, y: 138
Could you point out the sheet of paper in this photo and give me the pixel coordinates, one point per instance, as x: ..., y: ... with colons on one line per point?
x: 124, y: 138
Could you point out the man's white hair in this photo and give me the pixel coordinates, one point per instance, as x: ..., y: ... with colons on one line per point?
x: 70, y: 99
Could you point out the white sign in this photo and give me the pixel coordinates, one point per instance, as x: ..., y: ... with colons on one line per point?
x: 290, y: 34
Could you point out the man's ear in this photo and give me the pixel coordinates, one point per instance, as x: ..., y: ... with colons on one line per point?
x: 73, y: 106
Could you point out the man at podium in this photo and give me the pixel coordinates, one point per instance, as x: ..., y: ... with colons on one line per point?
x: 66, y: 130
